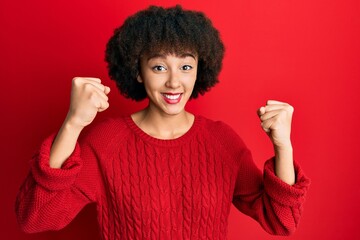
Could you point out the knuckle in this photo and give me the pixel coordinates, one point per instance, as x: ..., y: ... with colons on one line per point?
x: 101, y: 87
x: 283, y: 112
x: 289, y: 108
x: 93, y: 97
x: 87, y: 86
x: 292, y: 109
x: 93, y: 100
x: 96, y: 79
x: 77, y: 80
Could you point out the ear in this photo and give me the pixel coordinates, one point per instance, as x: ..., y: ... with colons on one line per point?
x: 138, y: 78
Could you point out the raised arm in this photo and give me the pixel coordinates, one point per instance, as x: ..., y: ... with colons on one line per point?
x: 64, y: 174
x: 276, y: 121
x: 88, y: 97
x: 275, y: 197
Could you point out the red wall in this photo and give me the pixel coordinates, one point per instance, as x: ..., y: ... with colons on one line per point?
x: 304, y: 52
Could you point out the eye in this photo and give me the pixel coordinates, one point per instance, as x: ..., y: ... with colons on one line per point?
x: 186, y: 67
x: 159, y: 68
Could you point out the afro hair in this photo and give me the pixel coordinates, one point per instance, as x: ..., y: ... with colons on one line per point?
x: 166, y: 30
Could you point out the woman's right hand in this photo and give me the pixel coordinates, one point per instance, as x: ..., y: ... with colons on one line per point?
x: 88, y: 97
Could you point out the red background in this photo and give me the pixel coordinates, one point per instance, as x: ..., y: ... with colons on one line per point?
x: 304, y: 52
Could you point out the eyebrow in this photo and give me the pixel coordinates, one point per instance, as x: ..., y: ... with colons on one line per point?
x: 161, y: 55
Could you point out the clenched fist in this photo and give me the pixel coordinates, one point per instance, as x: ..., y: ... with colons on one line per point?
x: 88, y: 97
x: 276, y: 121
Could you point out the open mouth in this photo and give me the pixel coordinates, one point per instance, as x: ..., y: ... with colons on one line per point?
x: 172, y: 98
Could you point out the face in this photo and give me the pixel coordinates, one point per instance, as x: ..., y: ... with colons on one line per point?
x: 169, y: 81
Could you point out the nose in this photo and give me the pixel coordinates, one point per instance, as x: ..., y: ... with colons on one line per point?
x: 173, y: 80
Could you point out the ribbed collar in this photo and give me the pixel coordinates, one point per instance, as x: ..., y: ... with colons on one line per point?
x: 198, y: 121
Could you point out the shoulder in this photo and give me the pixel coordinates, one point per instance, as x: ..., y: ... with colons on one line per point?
x: 220, y: 129
x: 105, y: 130
x: 222, y: 134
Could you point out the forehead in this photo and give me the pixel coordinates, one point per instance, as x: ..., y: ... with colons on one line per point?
x: 163, y: 55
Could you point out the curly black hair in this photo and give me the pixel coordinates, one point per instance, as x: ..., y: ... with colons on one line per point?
x: 166, y: 30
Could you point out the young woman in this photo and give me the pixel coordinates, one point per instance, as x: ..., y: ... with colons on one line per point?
x: 163, y: 172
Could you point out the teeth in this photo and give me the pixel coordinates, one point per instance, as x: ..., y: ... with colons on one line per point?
x: 172, y: 97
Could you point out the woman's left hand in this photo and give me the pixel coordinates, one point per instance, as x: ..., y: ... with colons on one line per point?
x: 276, y: 121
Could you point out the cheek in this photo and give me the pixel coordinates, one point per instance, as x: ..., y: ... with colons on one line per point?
x: 191, y: 81
x: 152, y: 84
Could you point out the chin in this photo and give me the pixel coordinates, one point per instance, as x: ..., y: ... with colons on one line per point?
x: 174, y: 112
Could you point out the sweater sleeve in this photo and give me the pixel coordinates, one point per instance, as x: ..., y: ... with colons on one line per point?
x: 50, y: 198
x: 276, y: 205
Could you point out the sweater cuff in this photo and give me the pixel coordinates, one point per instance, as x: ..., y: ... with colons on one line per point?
x: 55, y: 178
x: 281, y: 192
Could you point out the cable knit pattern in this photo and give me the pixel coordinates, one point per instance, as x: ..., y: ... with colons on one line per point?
x: 147, y: 188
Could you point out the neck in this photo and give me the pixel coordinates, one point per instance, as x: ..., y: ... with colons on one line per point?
x: 162, y: 125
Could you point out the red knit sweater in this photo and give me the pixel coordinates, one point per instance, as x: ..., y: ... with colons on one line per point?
x: 146, y: 188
